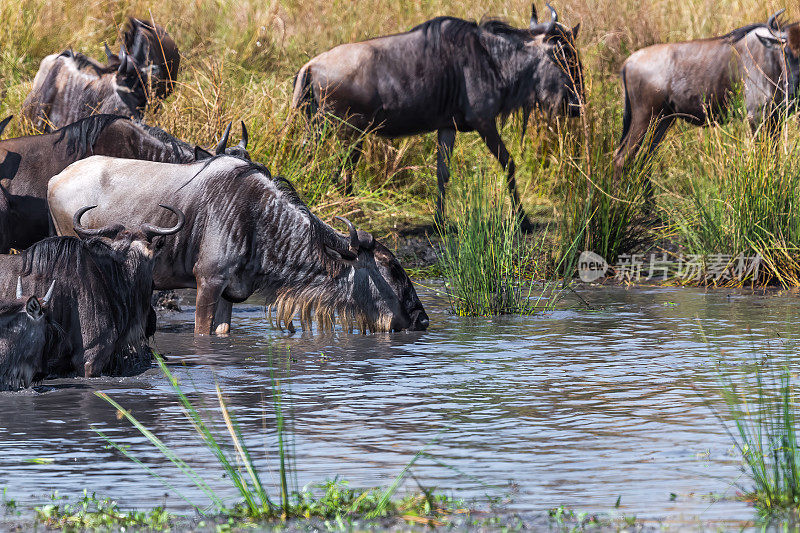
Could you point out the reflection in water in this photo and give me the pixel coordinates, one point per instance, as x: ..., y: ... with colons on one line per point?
x: 574, y: 408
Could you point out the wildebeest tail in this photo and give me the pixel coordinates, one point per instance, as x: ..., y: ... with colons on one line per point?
x: 302, y: 95
x: 626, y: 114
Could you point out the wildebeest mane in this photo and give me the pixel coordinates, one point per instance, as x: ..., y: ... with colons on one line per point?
x: 83, y: 61
x: 739, y: 33
x: 82, y: 135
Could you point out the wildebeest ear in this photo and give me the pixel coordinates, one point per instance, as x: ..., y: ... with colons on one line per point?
x: 5, y: 123
x: 201, y: 153
x: 344, y: 256
x: 575, y: 30
x: 33, y: 307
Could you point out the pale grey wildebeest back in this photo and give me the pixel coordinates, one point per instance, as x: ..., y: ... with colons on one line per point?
x: 448, y: 75
x: 27, y: 164
x: 68, y: 88
x: 698, y: 81
x: 246, y: 231
x: 27, y: 338
x: 101, y: 297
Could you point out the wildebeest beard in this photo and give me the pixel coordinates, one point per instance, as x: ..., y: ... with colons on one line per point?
x: 116, y: 302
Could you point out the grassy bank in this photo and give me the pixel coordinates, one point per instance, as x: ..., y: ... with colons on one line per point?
x: 240, y: 57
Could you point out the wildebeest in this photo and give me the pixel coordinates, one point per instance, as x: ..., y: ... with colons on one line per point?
x: 69, y: 87
x: 154, y: 50
x: 27, y: 337
x: 448, y: 75
x: 28, y: 163
x: 246, y: 231
x: 102, y: 293
x: 698, y: 80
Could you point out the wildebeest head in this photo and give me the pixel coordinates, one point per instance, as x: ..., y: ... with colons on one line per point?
x: 382, y: 290
x: 785, y: 41
x: 26, y: 338
x: 239, y: 150
x: 130, y: 84
x: 560, y: 77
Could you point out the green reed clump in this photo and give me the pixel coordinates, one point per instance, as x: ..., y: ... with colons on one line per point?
x: 487, y: 262
x: 744, y: 198
x: 224, y: 439
x: 598, y: 211
x: 762, y: 405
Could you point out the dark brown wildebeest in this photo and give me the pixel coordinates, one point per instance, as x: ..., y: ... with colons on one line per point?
x: 697, y: 81
x: 27, y: 338
x: 28, y: 163
x: 246, y: 231
x: 101, y: 296
x: 155, y: 51
x: 447, y: 75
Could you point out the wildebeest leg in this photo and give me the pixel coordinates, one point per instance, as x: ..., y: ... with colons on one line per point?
x: 659, y: 131
x: 222, y: 317
x: 491, y: 137
x: 209, y: 294
x: 446, y: 139
x: 350, y: 166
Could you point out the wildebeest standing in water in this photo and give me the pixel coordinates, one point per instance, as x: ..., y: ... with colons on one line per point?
x: 28, y: 337
x: 70, y: 86
x: 448, y: 75
x: 102, y: 293
x: 698, y: 81
x: 27, y: 163
x: 246, y: 231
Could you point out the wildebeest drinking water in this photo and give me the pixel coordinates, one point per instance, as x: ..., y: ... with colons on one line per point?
x: 27, y: 163
x: 70, y: 86
x: 27, y: 337
x: 101, y: 297
x: 698, y: 81
x: 448, y: 75
x: 246, y: 231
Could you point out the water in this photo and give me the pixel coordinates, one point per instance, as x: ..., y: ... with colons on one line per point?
x: 573, y: 408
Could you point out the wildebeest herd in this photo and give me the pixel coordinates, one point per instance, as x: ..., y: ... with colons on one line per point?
x: 102, y: 209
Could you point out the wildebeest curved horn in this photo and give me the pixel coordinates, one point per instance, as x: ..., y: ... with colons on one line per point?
x: 534, y: 17
x: 19, y: 287
x: 553, y: 14
x: 354, y: 243
x: 49, y: 294
x: 773, y: 20
x: 223, y: 142
x: 86, y: 232
x: 242, y: 143
x: 109, y: 53
x: 5, y: 123
x: 152, y: 231
x: 123, y: 61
